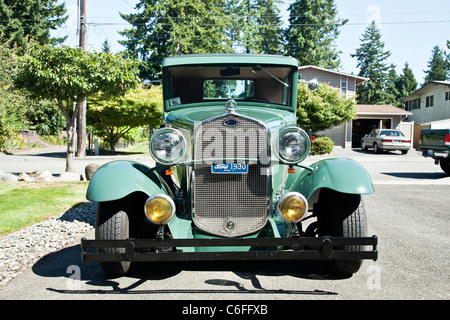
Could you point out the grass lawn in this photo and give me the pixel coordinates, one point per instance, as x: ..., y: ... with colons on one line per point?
x: 25, y: 203
x: 137, y: 149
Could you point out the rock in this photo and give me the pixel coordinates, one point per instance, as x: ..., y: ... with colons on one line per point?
x: 90, y: 169
x: 25, y: 177
x: 8, y: 177
x: 69, y: 176
x: 45, y: 176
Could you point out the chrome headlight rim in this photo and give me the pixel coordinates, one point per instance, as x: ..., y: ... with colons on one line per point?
x: 165, y: 197
x: 284, y: 198
x: 276, y: 145
x: 157, y: 134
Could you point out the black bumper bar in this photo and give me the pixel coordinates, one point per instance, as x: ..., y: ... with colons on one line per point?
x: 324, y: 248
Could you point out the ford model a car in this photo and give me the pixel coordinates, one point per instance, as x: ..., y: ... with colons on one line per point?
x: 229, y: 183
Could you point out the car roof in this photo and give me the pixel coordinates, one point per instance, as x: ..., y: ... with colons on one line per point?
x: 229, y: 59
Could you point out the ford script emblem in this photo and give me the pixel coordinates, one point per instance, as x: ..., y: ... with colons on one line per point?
x: 230, y: 122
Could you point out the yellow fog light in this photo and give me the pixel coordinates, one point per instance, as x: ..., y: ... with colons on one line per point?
x: 292, y: 207
x: 159, y: 208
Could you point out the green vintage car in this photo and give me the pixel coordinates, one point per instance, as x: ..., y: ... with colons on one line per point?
x: 229, y: 183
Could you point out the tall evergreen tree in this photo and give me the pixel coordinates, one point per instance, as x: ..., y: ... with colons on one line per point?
x: 313, y: 29
x: 270, y: 27
x: 163, y: 28
x: 439, y: 68
x: 372, y: 64
x: 20, y: 19
x: 406, y: 82
x: 256, y: 26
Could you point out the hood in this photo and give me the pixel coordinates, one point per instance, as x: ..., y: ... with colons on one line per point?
x: 188, y: 117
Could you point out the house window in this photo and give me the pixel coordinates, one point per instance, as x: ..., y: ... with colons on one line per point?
x: 412, y: 104
x: 429, y: 101
x: 344, y: 88
x: 447, y: 96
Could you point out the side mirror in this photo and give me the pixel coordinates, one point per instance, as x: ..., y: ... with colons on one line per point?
x: 313, y: 84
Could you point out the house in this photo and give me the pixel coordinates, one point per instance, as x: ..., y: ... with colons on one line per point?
x: 430, y: 103
x: 349, y: 134
x: 429, y: 107
x: 345, y: 82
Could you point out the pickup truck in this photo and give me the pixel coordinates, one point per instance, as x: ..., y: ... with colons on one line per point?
x: 436, y: 144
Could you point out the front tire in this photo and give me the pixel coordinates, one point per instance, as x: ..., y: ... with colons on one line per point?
x: 342, y: 215
x: 113, y: 224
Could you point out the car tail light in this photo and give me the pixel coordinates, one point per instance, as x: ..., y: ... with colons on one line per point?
x: 447, y: 139
x: 389, y: 140
x: 406, y: 141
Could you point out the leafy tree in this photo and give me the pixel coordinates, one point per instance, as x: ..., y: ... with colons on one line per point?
x: 67, y: 76
x: 312, y: 31
x: 163, y: 28
x: 22, y: 19
x: 322, y: 109
x: 439, y: 68
x: 114, y: 118
x: 12, y: 115
x: 372, y: 64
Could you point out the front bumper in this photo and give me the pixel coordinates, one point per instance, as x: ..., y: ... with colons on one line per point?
x: 323, y: 248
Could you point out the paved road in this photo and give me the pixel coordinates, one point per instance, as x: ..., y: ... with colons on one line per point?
x: 408, y: 212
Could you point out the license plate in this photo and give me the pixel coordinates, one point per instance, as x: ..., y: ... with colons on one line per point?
x: 229, y: 168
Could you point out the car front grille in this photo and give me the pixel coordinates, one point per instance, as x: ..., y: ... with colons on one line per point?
x: 231, y: 204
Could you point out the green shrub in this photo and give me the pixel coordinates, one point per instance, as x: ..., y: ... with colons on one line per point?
x: 321, y: 145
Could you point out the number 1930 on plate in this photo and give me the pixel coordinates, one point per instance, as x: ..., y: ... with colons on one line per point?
x: 229, y: 168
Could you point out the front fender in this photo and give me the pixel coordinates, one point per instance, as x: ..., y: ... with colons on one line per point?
x: 117, y: 179
x: 342, y: 175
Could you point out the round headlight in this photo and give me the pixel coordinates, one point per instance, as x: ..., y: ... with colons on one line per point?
x: 159, y: 208
x: 292, y: 145
x: 167, y: 146
x: 292, y: 207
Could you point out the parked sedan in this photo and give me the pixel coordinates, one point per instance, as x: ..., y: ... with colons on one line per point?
x: 386, y: 139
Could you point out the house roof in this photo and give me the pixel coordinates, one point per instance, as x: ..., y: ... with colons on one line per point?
x: 418, y: 92
x: 371, y: 109
x: 359, y: 80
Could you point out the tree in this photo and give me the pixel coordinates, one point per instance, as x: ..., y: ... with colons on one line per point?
x: 22, y: 19
x: 312, y: 31
x: 12, y: 115
x: 257, y: 26
x: 164, y: 28
x: 406, y: 83
x: 439, y: 68
x: 372, y: 64
x: 67, y: 76
x: 113, y: 118
x: 322, y: 109
x: 106, y: 47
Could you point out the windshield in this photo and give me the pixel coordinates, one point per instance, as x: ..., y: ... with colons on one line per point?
x: 259, y: 84
x: 226, y: 89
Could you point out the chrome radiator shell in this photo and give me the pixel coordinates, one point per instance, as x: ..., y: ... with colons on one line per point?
x: 231, y: 205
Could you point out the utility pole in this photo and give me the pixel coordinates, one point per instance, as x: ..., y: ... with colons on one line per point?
x: 81, y: 125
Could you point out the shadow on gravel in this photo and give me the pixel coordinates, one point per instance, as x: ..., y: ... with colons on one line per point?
x: 66, y: 264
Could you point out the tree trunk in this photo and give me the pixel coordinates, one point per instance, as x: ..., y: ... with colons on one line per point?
x: 70, y: 145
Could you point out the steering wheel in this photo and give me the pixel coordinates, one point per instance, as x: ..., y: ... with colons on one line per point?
x: 256, y: 99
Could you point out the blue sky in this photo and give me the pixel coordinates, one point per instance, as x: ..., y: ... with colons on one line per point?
x: 410, y: 28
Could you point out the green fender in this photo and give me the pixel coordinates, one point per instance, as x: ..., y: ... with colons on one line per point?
x: 117, y: 179
x: 342, y: 175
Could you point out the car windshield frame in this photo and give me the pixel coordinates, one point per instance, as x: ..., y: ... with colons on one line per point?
x: 271, y: 79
